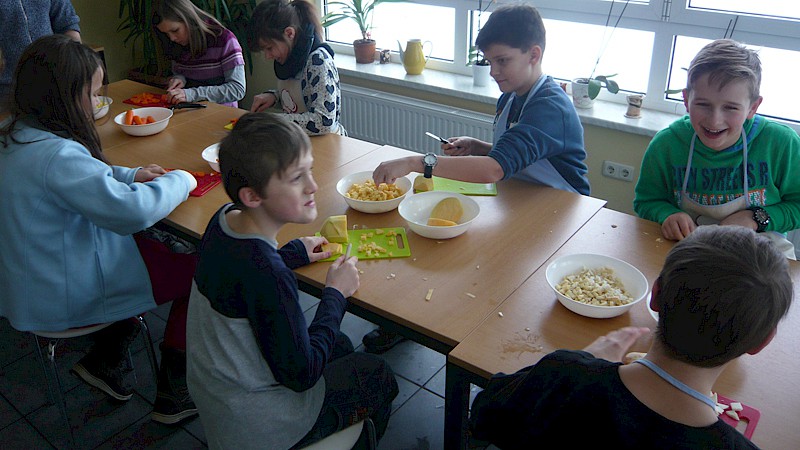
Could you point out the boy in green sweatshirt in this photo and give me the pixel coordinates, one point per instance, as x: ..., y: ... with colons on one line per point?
x: 722, y: 163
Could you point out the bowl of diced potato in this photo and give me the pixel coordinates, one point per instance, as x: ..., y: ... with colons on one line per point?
x: 144, y: 121
x: 439, y: 214
x: 361, y: 193
x: 102, y: 106
x: 597, y: 286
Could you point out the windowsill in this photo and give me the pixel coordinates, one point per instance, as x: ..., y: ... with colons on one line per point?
x: 603, y: 114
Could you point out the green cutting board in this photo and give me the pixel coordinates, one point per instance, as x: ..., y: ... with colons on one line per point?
x: 398, y: 248
x: 463, y: 187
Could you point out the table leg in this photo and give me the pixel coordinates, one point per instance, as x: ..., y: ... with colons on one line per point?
x: 456, y: 407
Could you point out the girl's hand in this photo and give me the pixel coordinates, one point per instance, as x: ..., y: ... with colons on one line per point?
x: 175, y: 83
x: 677, y: 226
x: 343, y: 276
x: 176, y: 96
x: 613, y: 346
x: 263, y: 101
x: 312, y: 245
x: 148, y: 173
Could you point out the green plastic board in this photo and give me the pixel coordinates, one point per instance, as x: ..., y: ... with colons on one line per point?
x: 463, y: 187
x: 393, y: 240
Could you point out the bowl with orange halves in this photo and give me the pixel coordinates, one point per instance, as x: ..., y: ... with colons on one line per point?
x: 144, y: 121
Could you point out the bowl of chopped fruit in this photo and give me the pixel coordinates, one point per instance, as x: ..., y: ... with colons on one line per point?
x: 102, y: 107
x: 361, y: 194
x: 439, y: 214
x: 597, y: 286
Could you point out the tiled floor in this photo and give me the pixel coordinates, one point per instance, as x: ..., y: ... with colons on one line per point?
x: 27, y: 420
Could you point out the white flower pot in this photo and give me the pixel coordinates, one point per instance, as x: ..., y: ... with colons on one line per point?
x: 580, y: 93
x: 481, y: 75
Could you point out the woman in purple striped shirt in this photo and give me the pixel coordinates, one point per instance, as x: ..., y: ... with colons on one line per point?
x: 207, y: 62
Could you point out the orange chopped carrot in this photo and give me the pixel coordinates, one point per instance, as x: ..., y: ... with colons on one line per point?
x: 149, y: 119
x: 137, y: 120
x: 129, y: 117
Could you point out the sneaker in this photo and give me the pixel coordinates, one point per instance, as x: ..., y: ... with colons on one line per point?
x: 172, y: 409
x: 173, y: 402
x: 380, y: 340
x: 109, y: 380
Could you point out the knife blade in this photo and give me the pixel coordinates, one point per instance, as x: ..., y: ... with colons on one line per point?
x: 187, y: 105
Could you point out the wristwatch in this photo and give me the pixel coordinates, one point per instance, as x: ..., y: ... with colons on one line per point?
x: 429, y: 160
x: 761, y: 217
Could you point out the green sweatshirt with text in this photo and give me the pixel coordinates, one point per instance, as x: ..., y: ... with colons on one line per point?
x: 715, y: 177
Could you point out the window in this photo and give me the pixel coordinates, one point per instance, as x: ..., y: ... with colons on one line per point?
x: 647, y: 49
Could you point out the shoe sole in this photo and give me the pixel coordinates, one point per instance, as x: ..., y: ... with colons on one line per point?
x: 98, y: 383
x: 174, y: 418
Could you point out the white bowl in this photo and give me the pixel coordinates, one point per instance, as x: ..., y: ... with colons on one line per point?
x: 416, y: 210
x: 211, y: 155
x: 102, y: 107
x: 632, y: 279
x: 161, y: 116
x: 373, y: 207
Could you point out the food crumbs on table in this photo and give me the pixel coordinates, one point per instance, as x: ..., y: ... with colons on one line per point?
x: 470, y: 295
x: 360, y: 271
x: 527, y: 328
x: 424, y: 278
x: 500, y: 314
x: 477, y: 267
x: 413, y: 259
x: 659, y: 240
x: 430, y: 294
x: 438, y: 242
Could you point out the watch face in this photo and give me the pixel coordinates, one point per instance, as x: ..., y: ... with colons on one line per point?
x: 761, y: 216
x: 429, y: 159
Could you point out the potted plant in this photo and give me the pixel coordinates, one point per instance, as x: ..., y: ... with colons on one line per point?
x: 480, y: 66
x: 360, y: 11
x: 151, y: 66
x: 585, y: 90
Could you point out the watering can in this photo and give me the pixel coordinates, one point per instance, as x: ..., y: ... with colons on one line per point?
x: 413, y: 57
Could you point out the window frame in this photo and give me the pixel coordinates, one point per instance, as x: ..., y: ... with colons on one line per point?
x: 640, y: 15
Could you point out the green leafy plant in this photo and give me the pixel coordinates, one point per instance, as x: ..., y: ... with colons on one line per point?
x: 148, y: 55
x: 596, y: 83
x: 359, y: 11
x: 475, y: 56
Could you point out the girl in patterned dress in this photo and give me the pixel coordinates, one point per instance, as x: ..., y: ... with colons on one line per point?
x: 289, y: 32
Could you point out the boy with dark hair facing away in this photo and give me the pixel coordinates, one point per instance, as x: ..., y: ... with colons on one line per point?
x: 538, y: 136
x: 722, y: 163
x: 721, y: 293
x: 260, y: 376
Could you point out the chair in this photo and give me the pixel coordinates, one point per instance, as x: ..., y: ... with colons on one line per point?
x: 347, y: 438
x: 51, y: 370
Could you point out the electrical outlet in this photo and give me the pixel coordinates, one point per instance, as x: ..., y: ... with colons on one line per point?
x: 616, y: 170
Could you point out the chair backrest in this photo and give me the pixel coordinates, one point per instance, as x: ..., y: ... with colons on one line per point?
x: 341, y: 440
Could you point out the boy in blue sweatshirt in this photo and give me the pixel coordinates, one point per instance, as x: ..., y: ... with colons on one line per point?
x: 538, y: 136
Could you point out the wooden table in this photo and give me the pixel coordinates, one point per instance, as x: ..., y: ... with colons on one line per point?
x: 180, y: 145
x: 517, y: 230
x: 534, y: 324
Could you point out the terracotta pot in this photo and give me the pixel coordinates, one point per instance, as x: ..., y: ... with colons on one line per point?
x: 364, y: 50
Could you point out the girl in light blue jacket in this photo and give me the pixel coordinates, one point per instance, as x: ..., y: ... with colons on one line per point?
x: 67, y: 254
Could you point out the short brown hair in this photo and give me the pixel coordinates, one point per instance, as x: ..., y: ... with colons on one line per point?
x: 516, y: 25
x: 723, y: 291
x: 724, y: 61
x: 271, y: 17
x: 261, y: 145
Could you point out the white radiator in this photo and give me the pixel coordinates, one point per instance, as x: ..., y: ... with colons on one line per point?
x: 390, y: 119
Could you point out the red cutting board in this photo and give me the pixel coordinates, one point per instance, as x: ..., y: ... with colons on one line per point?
x: 748, y: 414
x: 205, y: 182
x: 148, y: 99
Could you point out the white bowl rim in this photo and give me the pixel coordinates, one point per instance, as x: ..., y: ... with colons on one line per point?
x: 340, y: 188
x: 122, y: 115
x: 443, y: 195
x: 602, y: 256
